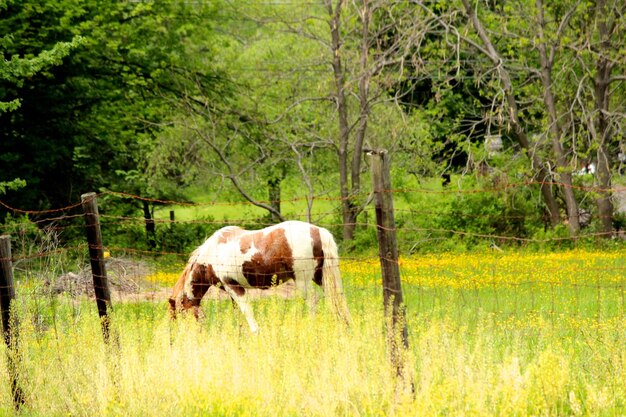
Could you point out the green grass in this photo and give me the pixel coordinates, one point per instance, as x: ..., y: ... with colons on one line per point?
x: 489, y: 350
x: 207, y: 205
x: 294, y: 205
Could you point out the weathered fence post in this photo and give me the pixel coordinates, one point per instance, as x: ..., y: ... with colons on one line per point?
x: 397, y: 332
x: 96, y: 258
x: 150, y: 225
x: 9, y: 319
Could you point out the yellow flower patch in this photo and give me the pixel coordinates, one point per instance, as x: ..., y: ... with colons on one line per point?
x: 478, y: 270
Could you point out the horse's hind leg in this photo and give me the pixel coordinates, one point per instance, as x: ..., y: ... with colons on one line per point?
x: 239, y: 296
x: 310, y: 293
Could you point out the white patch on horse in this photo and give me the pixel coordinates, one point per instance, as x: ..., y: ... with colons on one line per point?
x: 226, y: 261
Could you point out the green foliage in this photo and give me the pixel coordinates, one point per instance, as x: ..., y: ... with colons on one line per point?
x: 365, y: 237
x: 22, y: 227
x: 14, y: 185
x: 154, y: 98
x: 84, y: 123
x: 185, y: 238
x: 16, y: 69
x: 557, y: 238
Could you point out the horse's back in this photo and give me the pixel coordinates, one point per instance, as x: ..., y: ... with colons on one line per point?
x: 298, y: 245
x: 302, y: 236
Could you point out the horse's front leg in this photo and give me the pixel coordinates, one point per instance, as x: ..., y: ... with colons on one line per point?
x: 239, y: 296
x: 197, y: 313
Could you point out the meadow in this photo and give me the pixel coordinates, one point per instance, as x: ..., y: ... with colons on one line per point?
x: 490, y: 334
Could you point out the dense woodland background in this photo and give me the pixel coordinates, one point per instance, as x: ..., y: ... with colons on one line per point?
x: 521, y: 103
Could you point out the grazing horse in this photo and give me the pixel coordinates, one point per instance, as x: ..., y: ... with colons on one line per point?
x: 236, y: 260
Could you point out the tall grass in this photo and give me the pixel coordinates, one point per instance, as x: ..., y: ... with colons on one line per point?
x: 481, y: 344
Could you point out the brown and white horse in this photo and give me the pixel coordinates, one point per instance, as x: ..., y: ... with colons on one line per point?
x: 235, y: 260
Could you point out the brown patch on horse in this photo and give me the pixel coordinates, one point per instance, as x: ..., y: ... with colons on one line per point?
x: 235, y: 286
x: 228, y: 234
x: 245, y: 243
x: 202, y: 278
x: 273, y: 262
x: 318, y: 254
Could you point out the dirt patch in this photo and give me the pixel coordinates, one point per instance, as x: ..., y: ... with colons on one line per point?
x: 286, y: 291
x: 128, y: 282
x: 125, y: 276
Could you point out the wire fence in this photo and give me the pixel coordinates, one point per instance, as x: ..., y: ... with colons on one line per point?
x: 50, y: 259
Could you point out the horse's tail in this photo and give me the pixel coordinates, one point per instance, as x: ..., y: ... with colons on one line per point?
x: 331, y: 277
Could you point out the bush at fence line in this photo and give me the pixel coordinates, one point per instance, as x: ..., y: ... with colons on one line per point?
x: 619, y: 223
x: 179, y: 238
x: 172, y: 237
x: 454, y: 221
x: 21, y: 229
x: 484, y: 213
x: 30, y: 240
x: 365, y: 239
x: 183, y: 238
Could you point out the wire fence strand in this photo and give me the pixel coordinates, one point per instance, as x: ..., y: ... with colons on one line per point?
x: 48, y: 261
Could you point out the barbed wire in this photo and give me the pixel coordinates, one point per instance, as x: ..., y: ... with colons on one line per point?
x: 486, y: 294
x: 39, y: 212
x: 399, y: 191
x: 373, y: 226
x: 427, y: 299
x: 137, y: 221
x: 60, y: 223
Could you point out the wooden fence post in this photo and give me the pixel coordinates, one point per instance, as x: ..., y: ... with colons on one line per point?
x: 150, y: 226
x: 9, y: 319
x: 96, y: 258
x: 397, y: 331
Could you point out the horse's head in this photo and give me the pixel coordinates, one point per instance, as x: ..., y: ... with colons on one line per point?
x: 180, y: 302
x: 188, y: 291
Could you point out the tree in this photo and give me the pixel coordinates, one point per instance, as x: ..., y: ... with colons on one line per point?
x: 386, y: 38
x: 287, y: 105
x: 548, y: 46
x: 600, y: 52
x: 511, y: 106
x: 16, y: 70
x: 227, y: 129
x: 365, y: 45
x: 539, y: 87
x: 84, y: 124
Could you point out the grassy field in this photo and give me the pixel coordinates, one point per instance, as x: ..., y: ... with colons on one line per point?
x: 294, y: 204
x: 216, y: 206
x: 491, y: 334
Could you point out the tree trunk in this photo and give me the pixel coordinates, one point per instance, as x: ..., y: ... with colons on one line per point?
x: 364, y: 111
x: 603, y: 129
x: 347, y: 205
x: 555, y: 131
x: 274, y: 197
x: 541, y: 174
